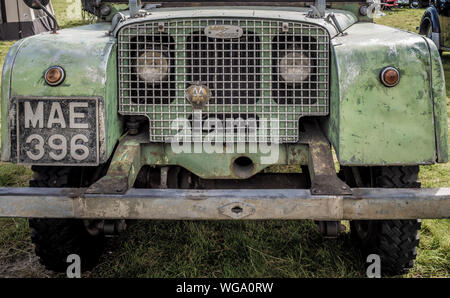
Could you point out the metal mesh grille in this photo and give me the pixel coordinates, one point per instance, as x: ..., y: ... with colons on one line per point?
x: 248, y: 76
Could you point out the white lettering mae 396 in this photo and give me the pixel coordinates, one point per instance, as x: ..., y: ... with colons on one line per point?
x: 56, y: 119
x: 56, y: 116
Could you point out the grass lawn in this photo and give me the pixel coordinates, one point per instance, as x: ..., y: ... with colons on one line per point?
x: 228, y: 249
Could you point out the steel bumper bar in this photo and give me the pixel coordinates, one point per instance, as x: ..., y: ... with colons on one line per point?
x: 176, y: 204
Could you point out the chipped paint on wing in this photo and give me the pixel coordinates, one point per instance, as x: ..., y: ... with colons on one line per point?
x: 440, y: 103
x: 369, y: 123
x: 88, y: 56
x: 392, y: 50
x: 6, y: 109
x: 374, y: 124
x: 353, y: 71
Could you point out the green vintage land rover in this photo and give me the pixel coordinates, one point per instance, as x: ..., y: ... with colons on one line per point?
x: 249, y: 110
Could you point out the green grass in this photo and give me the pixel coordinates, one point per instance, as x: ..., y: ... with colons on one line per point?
x: 68, y: 13
x: 229, y: 249
x: 406, y: 19
x: 224, y: 249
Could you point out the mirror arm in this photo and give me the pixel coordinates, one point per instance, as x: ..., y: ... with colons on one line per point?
x: 55, y: 23
x: 321, y: 6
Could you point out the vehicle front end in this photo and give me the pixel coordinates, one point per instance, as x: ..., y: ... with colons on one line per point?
x: 226, y: 112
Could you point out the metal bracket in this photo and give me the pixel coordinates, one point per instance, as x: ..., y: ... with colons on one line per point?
x: 138, y: 10
x: 164, y: 176
x: 324, y: 180
x: 321, y: 6
x: 117, y: 19
x: 330, y: 229
x: 135, y: 7
x: 313, y: 13
x: 122, y: 172
x: 331, y: 18
x: 318, y: 10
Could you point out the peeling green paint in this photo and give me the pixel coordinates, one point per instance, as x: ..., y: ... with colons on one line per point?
x: 114, y: 127
x: 372, y: 124
x: 440, y: 103
x: 219, y: 165
x: 369, y: 124
x: 88, y: 56
x: 122, y: 171
x: 6, y: 80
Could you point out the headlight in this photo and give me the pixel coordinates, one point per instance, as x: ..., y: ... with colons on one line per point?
x: 153, y: 67
x: 294, y: 67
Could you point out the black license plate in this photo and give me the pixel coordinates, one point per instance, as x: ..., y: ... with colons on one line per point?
x: 57, y: 131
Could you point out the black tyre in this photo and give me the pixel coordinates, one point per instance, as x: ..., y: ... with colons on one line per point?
x: 56, y: 239
x: 397, y: 177
x: 51, y: 177
x: 395, y: 241
x: 426, y: 29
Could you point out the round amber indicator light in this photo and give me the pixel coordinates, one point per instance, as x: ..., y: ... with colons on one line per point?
x: 55, y: 75
x: 390, y: 76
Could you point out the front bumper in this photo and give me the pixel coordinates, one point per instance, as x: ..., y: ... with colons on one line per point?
x: 176, y: 204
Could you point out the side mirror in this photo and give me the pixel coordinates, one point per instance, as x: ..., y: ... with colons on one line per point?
x: 41, y: 4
